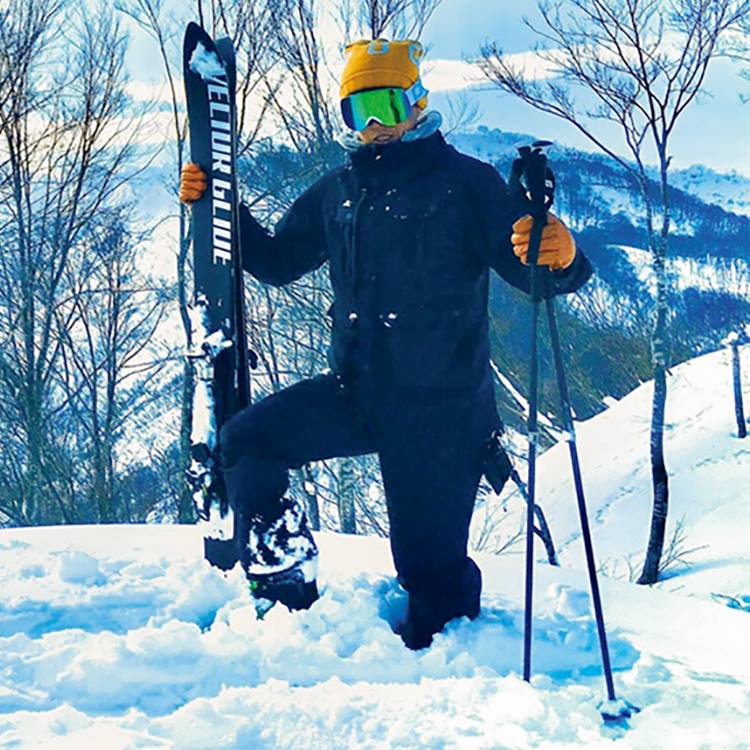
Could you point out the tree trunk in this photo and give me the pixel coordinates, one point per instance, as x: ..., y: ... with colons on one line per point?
x: 311, y: 498
x: 739, y: 409
x: 185, y: 508
x: 659, y: 481
x: 542, y: 530
x: 32, y: 485
x: 345, y: 499
x: 659, y: 478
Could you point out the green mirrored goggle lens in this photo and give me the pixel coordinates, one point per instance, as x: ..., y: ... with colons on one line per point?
x: 387, y: 106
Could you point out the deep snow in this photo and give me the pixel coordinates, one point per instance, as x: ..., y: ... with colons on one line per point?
x: 121, y: 637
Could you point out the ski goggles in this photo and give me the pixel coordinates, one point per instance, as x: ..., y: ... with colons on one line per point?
x: 388, y: 106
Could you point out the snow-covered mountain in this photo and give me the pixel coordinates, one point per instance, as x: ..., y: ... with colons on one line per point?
x: 701, y: 196
x: 122, y: 637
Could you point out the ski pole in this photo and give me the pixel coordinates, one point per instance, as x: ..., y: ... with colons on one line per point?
x: 614, y: 710
x: 533, y: 165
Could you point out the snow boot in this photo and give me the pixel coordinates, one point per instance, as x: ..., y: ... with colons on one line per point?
x: 423, y: 622
x: 430, y: 610
x: 281, y: 559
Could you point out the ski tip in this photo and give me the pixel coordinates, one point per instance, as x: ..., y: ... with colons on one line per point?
x: 195, y: 38
x: 194, y: 33
x: 194, y: 28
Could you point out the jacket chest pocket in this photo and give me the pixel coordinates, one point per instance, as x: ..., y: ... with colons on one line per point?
x: 441, y: 244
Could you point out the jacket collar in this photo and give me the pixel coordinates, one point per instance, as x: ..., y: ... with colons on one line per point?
x: 430, y: 121
x: 397, y: 163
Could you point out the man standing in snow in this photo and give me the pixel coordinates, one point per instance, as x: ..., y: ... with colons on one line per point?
x: 410, y: 228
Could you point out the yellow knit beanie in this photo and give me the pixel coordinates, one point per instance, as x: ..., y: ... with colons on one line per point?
x: 372, y: 64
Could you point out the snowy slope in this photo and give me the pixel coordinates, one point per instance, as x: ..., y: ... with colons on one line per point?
x: 709, y: 472
x: 121, y: 637
x: 730, y: 190
x: 706, y: 274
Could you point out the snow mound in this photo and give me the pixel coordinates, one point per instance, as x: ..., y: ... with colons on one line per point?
x: 146, y: 646
x: 78, y: 567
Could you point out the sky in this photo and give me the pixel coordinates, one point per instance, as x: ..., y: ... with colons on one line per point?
x: 712, y: 132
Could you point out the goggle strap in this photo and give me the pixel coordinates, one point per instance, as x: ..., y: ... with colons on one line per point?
x: 415, y: 92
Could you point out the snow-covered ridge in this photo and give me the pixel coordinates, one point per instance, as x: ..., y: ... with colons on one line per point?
x: 729, y: 190
x: 708, y: 275
x: 594, y: 190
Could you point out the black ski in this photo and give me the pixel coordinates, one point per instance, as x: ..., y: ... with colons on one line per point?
x: 218, y: 348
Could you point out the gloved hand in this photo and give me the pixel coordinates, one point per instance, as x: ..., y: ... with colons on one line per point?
x: 558, y: 248
x: 193, y: 182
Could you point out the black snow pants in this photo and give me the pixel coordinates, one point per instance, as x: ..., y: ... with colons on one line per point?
x: 431, y: 458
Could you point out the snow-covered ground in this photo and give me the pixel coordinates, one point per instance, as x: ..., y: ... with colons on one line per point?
x: 709, y: 469
x: 122, y: 637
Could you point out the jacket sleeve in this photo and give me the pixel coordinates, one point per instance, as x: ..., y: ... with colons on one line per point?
x: 296, y: 247
x: 495, y: 212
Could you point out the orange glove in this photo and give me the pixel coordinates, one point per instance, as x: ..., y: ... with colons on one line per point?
x: 558, y: 248
x: 192, y: 183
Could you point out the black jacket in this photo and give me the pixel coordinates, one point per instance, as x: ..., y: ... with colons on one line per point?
x: 410, y: 230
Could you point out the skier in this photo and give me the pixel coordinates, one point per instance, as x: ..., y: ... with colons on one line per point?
x: 410, y: 228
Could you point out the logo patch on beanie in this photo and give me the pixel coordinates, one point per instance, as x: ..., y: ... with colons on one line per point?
x: 378, y: 47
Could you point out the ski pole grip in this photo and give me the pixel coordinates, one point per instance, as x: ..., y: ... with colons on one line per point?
x: 532, y: 179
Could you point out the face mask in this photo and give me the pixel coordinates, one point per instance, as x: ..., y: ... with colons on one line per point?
x: 369, y: 137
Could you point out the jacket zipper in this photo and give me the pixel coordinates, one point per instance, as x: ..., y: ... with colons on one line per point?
x: 353, y: 245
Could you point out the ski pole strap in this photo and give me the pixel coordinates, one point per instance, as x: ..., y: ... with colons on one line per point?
x: 521, y: 193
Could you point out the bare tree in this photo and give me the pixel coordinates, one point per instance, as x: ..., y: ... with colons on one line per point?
x: 400, y: 18
x: 65, y: 147
x: 734, y: 340
x: 638, y: 64
x: 112, y: 368
x: 462, y: 113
